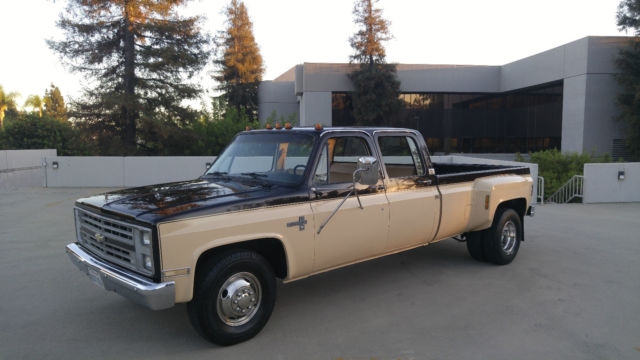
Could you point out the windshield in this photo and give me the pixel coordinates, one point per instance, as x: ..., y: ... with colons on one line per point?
x: 280, y: 158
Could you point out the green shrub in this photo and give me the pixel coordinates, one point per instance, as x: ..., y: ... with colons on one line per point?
x: 557, y: 167
x: 30, y: 131
x: 214, y: 131
x: 291, y: 118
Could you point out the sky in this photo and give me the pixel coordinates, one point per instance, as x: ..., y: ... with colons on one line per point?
x: 290, y: 32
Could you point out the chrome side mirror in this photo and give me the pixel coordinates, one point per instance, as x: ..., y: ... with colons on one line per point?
x: 368, y: 171
x: 366, y: 174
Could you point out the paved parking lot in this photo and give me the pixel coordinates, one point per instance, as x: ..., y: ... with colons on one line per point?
x: 573, y: 292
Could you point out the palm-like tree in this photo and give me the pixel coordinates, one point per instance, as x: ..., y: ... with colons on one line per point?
x: 35, y: 102
x: 7, y: 101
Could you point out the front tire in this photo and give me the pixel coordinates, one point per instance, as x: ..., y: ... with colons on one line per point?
x: 234, y: 296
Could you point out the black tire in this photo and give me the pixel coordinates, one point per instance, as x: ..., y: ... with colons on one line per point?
x: 209, y: 309
x: 502, y: 250
x: 475, y: 245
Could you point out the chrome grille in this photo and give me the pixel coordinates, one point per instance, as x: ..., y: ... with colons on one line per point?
x: 110, y: 239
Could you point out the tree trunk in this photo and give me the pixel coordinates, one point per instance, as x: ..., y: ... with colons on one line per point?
x: 129, y: 109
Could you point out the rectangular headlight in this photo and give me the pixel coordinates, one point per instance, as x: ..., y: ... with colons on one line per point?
x: 146, y: 238
x: 144, y: 250
x: 148, y: 264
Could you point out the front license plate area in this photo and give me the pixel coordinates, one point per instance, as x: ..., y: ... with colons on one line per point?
x: 95, y: 278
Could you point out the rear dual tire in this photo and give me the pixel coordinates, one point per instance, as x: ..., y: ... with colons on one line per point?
x: 500, y: 243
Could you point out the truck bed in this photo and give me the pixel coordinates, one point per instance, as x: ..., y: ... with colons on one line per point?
x: 452, y: 173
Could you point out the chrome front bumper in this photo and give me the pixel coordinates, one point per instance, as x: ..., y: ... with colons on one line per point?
x: 155, y: 296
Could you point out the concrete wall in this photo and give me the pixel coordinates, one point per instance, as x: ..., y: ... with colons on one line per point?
x: 146, y: 170
x: 322, y: 77
x: 450, y: 78
x: 552, y: 65
x: 278, y: 97
x: 573, y: 108
x: 601, y: 183
x: 600, y: 124
x: 589, y: 107
x: 16, y: 160
x: 315, y: 107
x: 117, y: 171
x: 319, y: 77
x: 23, y: 168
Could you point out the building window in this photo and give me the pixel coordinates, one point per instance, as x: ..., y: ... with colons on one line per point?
x: 520, y: 121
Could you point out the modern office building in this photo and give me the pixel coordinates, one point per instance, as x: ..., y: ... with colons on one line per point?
x: 564, y: 98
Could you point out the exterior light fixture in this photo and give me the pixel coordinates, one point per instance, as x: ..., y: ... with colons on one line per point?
x: 620, y: 175
x: 55, y: 165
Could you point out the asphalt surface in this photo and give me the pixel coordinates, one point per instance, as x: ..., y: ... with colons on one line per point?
x: 573, y: 292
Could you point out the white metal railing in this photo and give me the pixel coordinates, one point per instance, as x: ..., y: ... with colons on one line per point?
x: 570, y: 190
x: 540, y: 194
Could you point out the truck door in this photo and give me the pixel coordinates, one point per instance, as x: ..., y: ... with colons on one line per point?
x: 353, y: 233
x: 412, y: 193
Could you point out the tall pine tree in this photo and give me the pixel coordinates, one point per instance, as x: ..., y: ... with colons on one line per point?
x: 628, y: 63
x: 138, y: 56
x: 376, y: 86
x: 239, y: 61
x: 54, y: 103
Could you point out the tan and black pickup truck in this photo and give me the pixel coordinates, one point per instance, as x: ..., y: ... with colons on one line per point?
x: 287, y: 203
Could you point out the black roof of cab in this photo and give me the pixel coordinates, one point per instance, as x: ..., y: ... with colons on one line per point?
x: 312, y: 130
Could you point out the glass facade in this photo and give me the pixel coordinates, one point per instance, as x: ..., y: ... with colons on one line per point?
x: 521, y: 121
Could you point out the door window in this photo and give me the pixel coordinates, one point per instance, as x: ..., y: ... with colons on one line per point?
x: 401, y: 156
x: 339, y: 159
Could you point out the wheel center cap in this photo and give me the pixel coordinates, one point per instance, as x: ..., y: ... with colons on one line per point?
x: 244, y: 301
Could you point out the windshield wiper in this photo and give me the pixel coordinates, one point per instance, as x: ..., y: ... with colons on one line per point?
x: 254, y: 175
x: 216, y: 173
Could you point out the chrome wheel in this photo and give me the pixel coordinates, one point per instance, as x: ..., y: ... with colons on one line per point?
x: 509, y: 237
x: 239, y: 299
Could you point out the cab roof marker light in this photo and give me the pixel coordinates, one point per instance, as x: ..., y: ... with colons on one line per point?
x: 248, y: 128
x: 318, y: 127
x: 278, y: 126
x: 288, y: 126
x: 268, y: 127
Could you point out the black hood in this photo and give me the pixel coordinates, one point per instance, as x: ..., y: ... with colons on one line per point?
x: 191, y: 198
